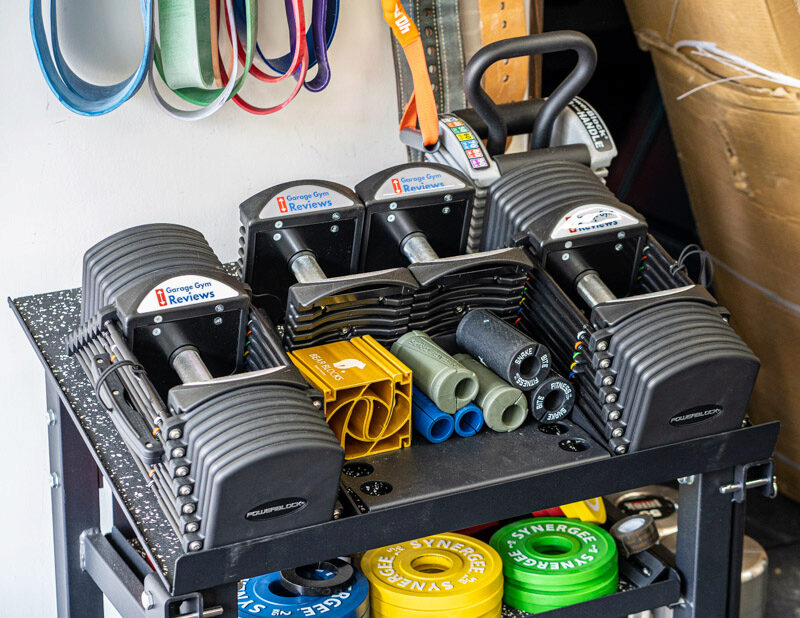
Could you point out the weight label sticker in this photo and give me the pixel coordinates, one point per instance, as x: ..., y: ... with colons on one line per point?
x: 417, y: 180
x: 591, y: 218
x: 185, y: 290
x: 304, y: 198
x: 658, y: 507
x: 470, y: 145
x: 595, y: 128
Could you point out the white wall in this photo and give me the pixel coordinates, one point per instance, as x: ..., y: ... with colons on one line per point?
x: 67, y: 181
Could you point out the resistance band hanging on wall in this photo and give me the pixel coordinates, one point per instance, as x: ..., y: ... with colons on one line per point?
x: 188, y: 57
x: 74, y: 93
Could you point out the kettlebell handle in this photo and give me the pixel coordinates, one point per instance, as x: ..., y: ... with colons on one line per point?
x: 530, y: 45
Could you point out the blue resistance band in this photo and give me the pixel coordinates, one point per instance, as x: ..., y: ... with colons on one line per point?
x: 74, y: 93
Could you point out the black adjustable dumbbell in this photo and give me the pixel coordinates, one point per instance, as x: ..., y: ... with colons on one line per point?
x: 418, y: 214
x: 227, y: 454
x: 299, y: 252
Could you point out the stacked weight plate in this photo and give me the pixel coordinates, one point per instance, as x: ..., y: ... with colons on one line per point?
x: 450, y: 287
x: 675, y: 364
x: 266, y: 595
x: 553, y: 562
x: 443, y: 575
x: 123, y: 259
x: 375, y: 303
x: 245, y: 451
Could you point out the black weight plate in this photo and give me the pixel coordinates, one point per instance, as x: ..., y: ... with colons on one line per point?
x: 295, y: 580
x: 293, y: 440
x: 667, y: 364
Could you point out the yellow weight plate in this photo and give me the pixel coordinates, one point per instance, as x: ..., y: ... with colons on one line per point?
x: 492, y: 601
x: 495, y: 613
x: 593, y: 511
x: 439, y: 572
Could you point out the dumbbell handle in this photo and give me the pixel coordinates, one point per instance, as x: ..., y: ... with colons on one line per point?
x: 530, y: 45
x: 592, y: 289
x: 305, y: 268
x: 189, y: 366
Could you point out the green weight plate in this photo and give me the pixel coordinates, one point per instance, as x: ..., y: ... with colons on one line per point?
x: 552, y: 551
x: 551, y: 596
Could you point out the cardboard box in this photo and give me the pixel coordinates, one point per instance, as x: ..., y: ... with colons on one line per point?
x: 738, y: 143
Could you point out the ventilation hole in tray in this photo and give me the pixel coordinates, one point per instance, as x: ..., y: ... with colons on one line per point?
x: 376, y: 488
x: 575, y: 445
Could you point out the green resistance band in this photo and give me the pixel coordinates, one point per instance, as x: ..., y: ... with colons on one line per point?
x: 186, y: 54
x: 210, y: 100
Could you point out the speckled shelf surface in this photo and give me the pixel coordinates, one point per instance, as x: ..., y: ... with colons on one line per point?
x: 49, y: 318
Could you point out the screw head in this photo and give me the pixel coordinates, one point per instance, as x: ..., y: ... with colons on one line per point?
x: 336, y: 216
x: 278, y: 225
x: 219, y: 308
x: 195, y: 546
x: 618, y: 247
x: 391, y: 218
x: 620, y: 235
x: 174, y: 434
x: 611, y: 398
x: 192, y: 526
x: 178, y: 452
x: 334, y: 229
x: 147, y: 600
x: 217, y: 321
x: 158, y: 319
x: 188, y: 508
x: 344, y: 330
x: 613, y: 416
x: 446, y: 210
x: 317, y: 404
x: 460, y: 309
x: 564, y: 256
x: 156, y: 331
x: 605, y: 363
x: 608, y: 381
x: 393, y: 206
x: 276, y: 236
x: 621, y: 449
x: 602, y: 346
x: 568, y: 244
x: 448, y: 198
x: 181, y: 471
x: 184, y: 490
x: 617, y: 433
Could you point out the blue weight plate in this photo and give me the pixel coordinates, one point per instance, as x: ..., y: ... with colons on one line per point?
x: 265, y: 596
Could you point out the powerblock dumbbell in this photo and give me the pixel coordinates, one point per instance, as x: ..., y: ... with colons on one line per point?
x: 418, y: 214
x: 668, y: 367
x: 299, y: 248
x: 162, y: 327
x: 563, y: 122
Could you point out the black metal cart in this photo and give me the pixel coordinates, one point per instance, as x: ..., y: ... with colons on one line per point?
x: 140, y: 566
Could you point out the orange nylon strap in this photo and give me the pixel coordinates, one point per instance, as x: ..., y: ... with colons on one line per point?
x: 421, y: 107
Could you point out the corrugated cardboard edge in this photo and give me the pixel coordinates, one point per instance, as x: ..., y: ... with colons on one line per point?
x: 738, y: 144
